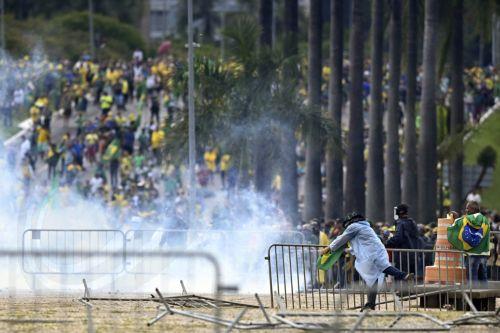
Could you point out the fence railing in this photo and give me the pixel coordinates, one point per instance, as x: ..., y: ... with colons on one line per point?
x: 440, y: 280
x: 73, y: 243
x: 13, y: 260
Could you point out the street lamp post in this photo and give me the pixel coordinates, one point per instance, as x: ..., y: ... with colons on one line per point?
x: 191, y: 120
x: 91, y: 29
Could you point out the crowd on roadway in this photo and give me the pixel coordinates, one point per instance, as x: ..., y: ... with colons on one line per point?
x: 481, y: 90
x: 102, y: 128
x: 95, y: 127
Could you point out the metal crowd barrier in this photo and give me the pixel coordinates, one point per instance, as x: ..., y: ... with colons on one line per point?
x: 72, y: 244
x: 295, y: 280
x: 9, y: 260
x: 75, y: 241
x: 174, y: 239
x: 493, y: 267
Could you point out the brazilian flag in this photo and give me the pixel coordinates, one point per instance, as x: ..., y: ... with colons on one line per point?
x: 112, y: 151
x: 470, y: 233
x: 326, y: 261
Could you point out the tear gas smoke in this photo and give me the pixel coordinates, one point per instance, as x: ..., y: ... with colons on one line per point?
x: 237, y: 229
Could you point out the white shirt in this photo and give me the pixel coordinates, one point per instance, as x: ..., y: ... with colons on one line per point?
x: 474, y: 197
x: 25, y: 147
x: 95, y: 184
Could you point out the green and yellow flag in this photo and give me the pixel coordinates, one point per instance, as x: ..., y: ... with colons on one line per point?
x: 470, y: 233
x: 112, y: 151
x: 326, y: 261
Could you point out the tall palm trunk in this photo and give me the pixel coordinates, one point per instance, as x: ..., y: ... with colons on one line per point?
x: 334, y: 172
x: 355, y: 177
x: 410, y: 190
x: 375, y: 189
x: 427, y: 154
x: 313, y: 200
x: 263, y: 165
x: 266, y: 21
x: 289, y: 188
x: 393, y: 179
x: 457, y: 103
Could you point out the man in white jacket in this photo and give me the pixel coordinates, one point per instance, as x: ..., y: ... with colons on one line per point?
x: 372, y: 261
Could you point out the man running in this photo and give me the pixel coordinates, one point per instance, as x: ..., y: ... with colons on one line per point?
x: 372, y: 261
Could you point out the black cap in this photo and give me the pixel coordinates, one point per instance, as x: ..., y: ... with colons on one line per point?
x: 352, y: 217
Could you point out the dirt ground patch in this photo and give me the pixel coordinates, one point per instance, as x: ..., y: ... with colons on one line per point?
x: 54, y: 313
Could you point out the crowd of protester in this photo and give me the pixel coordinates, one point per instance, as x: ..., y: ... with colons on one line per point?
x: 101, y: 130
x: 114, y: 119
x: 481, y: 90
x: 95, y: 127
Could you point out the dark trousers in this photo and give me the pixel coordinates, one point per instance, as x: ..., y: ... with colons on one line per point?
x: 372, y: 292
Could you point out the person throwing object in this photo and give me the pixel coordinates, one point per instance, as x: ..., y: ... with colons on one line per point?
x: 372, y: 261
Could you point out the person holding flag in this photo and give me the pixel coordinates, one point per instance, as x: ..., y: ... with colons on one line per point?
x: 471, y: 233
x: 372, y: 260
x: 112, y: 155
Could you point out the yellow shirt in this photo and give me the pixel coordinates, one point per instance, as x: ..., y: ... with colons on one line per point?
x: 34, y: 113
x: 91, y: 138
x: 43, y: 135
x: 210, y: 157
x: 125, y: 87
x: 157, y: 139
x: 106, y: 101
x: 225, y: 162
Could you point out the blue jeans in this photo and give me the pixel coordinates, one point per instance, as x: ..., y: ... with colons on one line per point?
x: 477, y: 267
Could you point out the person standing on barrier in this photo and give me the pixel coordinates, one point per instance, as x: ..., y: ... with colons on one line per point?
x: 406, y: 237
x: 372, y: 261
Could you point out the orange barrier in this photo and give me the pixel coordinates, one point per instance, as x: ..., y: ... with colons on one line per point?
x: 448, y: 267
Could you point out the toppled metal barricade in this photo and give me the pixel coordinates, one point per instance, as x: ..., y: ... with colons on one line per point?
x: 185, y: 300
x: 229, y: 324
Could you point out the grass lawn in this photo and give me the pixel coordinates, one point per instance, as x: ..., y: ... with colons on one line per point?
x: 487, y: 134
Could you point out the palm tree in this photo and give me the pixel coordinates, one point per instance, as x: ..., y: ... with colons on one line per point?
x: 263, y: 165
x: 486, y: 159
x: 355, y: 177
x: 457, y: 104
x: 265, y: 19
x: 289, y: 189
x: 427, y: 154
x: 334, y: 172
x: 375, y: 189
x: 410, y: 192
x: 393, y: 179
x: 313, y: 199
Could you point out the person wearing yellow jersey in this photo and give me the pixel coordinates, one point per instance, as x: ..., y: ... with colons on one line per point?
x: 210, y: 157
x: 225, y: 164
x: 52, y: 159
x: 35, y: 114
x: 125, y: 90
x: 125, y: 166
x: 157, y: 138
x: 324, y: 240
x: 91, y: 140
x: 106, y: 103
x: 42, y: 140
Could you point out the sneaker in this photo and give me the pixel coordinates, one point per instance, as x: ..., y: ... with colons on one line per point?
x: 409, y: 277
x: 367, y: 306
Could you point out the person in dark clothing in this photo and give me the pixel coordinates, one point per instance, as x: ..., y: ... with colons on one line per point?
x: 406, y: 237
x: 128, y: 141
x: 155, y: 109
